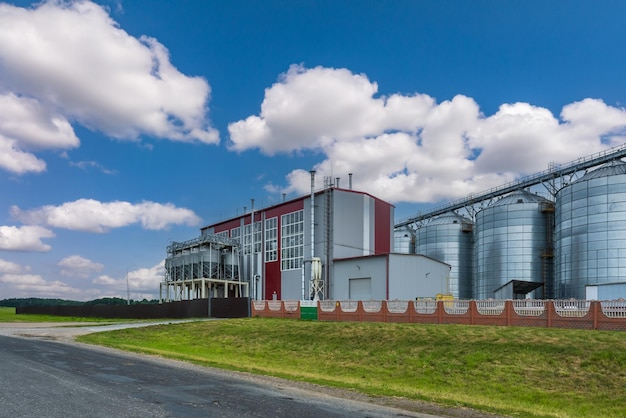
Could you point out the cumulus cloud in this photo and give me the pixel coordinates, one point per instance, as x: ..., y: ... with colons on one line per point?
x: 142, y: 282
x: 411, y: 148
x: 69, y: 61
x: 10, y: 267
x: 106, y: 280
x: 33, y: 285
x: 24, y: 238
x: 94, y: 216
x: 77, y: 266
x: 313, y: 108
x: 27, y: 125
x: 147, y: 279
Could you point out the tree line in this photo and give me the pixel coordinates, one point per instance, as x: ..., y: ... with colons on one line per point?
x: 18, y: 302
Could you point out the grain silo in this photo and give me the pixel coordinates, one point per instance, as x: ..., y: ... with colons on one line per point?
x: 513, y: 248
x: 448, y: 238
x: 591, y: 232
x: 404, y: 241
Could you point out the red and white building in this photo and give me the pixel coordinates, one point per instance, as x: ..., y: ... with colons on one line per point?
x: 289, y: 251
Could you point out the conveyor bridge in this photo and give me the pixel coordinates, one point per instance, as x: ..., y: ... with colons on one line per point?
x: 553, y: 178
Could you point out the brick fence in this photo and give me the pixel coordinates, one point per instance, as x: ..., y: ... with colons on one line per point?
x: 579, y: 314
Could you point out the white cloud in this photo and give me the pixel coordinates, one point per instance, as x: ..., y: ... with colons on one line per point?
x: 68, y: 60
x: 106, y: 280
x: 84, y: 165
x: 409, y: 148
x: 26, y: 125
x: 24, y: 238
x: 33, y: 285
x: 77, y: 266
x: 10, y: 267
x: 310, y: 109
x: 94, y: 216
x: 147, y: 279
x: 142, y: 282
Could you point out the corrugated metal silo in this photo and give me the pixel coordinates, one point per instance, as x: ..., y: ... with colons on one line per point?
x: 404, y: 241
x: 513, y: 241
x: 591, y: 231
x: 448, y: 238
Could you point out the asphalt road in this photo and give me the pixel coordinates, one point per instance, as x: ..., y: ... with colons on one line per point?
x: 40, y: 377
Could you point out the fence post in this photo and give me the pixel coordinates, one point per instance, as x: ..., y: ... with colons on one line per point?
x: 596, y: 312
x: 439, y: 312
x: 550, y: 311
x: 508, y: 307
x: 384, y: 308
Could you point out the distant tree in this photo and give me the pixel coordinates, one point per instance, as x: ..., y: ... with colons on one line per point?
x: 15, y: 302
x: 107, y: 301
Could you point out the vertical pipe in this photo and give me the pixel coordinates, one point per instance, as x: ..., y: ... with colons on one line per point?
x: 337, y: 184
x: 252, y: 267
x: 350, y: 181
x: 312, y: 214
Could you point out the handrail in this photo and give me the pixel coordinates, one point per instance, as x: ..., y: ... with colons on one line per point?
x: 557, y: 170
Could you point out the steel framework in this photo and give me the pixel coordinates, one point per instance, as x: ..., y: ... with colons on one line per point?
x: 554, y: 178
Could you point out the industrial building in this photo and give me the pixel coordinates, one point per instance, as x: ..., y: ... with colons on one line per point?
x: 509, y: 242
x: 569, y: 244
x: 332, y: 244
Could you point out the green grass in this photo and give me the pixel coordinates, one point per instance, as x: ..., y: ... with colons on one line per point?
x: 8, y: 315
x: 506, y: 370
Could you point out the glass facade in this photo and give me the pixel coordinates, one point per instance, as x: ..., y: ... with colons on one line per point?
x: 591, y: 232
x: 448, y: 238
x: 271, y: 239
x: 247, y: 238
x: 511, y: 240
x: 292, y: 240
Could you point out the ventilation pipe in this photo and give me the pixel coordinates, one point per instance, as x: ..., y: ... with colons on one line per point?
x: 312, y: 214
x: 253, y: 258
x: 337, y: 178
x: 350, y: 181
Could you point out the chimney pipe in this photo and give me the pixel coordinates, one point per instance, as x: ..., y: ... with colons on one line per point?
x: 350, y: 181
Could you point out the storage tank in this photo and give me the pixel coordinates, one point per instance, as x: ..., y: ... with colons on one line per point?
x: 404, y: 241
x: 513, y: 241
x: 230, y: 264
x: 591, y: 231
x: 448, y: 238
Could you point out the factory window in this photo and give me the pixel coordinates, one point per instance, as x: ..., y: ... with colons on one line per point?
x: 271, y: 239
x: 292, y: 240
x: 235, y: 233
x: 247, y: 238
x: 223, y: 234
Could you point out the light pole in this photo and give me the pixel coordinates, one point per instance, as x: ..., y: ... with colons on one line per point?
x: 127, y: 286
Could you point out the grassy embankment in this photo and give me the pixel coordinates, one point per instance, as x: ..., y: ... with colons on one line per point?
x: 510, y: 371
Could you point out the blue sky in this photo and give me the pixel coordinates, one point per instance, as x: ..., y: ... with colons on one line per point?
x: 126, y: 125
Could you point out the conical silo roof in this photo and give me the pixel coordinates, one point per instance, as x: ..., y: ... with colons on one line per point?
x: 612, y: 168
x: 448, y: 218
x: 520, y: 196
